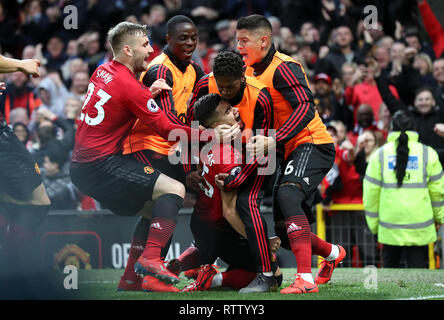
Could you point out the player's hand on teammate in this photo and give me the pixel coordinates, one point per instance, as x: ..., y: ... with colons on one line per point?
x: 219, y: 179
x: 260, y: 145
x: 275, y: 243
x: 193, y: 179
x: 30, y: 66
x: 227, y: 133
x: 157, y: 87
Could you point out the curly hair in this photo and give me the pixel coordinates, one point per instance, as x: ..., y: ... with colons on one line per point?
x: 228, y: 63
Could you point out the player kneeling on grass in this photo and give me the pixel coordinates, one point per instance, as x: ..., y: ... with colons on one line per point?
x: 217, y: 229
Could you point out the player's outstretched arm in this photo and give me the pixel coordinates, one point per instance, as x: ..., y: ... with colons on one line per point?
x: 28, y: 66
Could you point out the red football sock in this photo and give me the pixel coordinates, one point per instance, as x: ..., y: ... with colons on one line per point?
x: 320, y: 247
x: 189, y: 259
x: 237, y: 278
x: 298, y: 231
x: 161, y: 229
x: 135, y: 252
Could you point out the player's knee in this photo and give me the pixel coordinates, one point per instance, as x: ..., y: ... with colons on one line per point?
x: 290, y: 198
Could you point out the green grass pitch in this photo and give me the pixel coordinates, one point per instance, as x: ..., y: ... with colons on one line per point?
x: 346, y: 284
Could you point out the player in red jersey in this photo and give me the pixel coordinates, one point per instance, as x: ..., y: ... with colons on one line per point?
x: 114, y: 101
x: 217, y: 229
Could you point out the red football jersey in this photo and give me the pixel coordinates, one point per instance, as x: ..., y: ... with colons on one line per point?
x: 115, y: 99
x: 221, y: 158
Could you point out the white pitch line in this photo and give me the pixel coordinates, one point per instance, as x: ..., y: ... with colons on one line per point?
x: 105, y: 281
x: 423, y: 298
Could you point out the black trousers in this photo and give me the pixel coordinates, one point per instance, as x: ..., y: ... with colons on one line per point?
x: 248, y: 202
x: 405, y: 257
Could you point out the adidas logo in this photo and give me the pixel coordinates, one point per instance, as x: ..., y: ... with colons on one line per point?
x: 293, y: 227
x: 307, y: 181
x: 156, y: 225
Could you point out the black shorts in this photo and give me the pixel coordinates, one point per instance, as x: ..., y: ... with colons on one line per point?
x: 306, y: 166
x: 161, y: 163
x: 119, y: 183
x: 221, y: 242
x: 19, y: 173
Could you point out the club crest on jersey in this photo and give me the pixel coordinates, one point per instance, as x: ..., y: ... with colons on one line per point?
x: 152, y: 105
x: 148, y: 170
x: 37, y: 169
x: 235, y: 171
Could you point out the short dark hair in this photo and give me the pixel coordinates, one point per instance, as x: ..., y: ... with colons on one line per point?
x: 253, y: 22
x: 228, y: 63
x: 174, y: 21
x: 205, y: 107
x: 57, y: 153
x: 425, y: 88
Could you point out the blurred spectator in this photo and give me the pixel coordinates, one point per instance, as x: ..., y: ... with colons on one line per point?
x: 53, y: 93
x: 408, y: 170
x: 34, y: 23
x: 71, y: 67
x: 433, y: 27
x: 328, y: 106
x: 235, y: 9
x: 385, y: 118
x: 438, y: 76
x: 18, y: 94
x: 73, y: 108
x: 29, y: 52
x: 22, y: 132
x: 427, y: 115
x: 368, y: 142
x: 205, y: 51
x: 286, y: 42
x: 423, y: 64
x: 365, y: 120
x: 56, y: 178
x: 341, y: 131
x: 156, y: 20
x: 342, y: 51
x: 226, y: 33
x: 19, y: 115
x: 79, y: 85
x: 55, y: 53
x: 382, y: 56
x: 46, y: 130
x: 365, y: 91
x: 8, y: 42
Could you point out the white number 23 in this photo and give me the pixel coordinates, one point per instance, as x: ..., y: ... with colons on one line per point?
x: 104, y: 97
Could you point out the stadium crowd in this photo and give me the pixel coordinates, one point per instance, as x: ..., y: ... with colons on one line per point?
x: 359, y: 76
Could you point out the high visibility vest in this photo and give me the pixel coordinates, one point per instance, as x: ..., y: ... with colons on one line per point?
x: 315, y: 132
x: 404, y: 216
x: 143, y: 137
